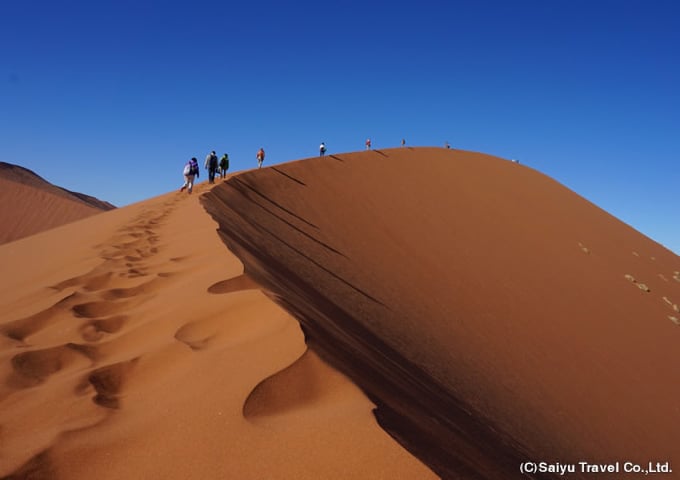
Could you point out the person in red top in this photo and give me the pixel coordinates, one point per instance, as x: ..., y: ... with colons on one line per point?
x: 368, y: 144
x: 260, y: 157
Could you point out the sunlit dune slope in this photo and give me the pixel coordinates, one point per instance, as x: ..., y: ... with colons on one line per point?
x: 492, y: 314
x: 29, y: 204
x: 132, y: 346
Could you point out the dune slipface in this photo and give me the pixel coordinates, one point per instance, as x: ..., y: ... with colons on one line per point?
x: 491, y: 314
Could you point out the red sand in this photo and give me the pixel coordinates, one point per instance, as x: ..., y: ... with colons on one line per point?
x: 132, y: 346
x: 490, y: 314
x: 29, y: 204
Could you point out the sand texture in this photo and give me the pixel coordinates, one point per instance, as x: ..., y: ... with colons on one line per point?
x: 492, y: 314
x: 410, y: 313
x: 132, y: 346
x: 29, y: 204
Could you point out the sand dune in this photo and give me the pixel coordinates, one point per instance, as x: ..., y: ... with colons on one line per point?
x: 133, y: 346
x: 492, y: 315
x: 485, y: 315
x: 30, y: 204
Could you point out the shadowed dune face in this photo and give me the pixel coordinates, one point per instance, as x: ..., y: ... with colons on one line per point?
x: 492, y: 314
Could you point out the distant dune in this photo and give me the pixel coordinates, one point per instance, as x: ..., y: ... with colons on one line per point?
x: 410, y: 313
x: 493, y: 315
x: 30, y: 204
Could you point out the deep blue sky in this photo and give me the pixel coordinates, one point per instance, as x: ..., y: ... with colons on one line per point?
x: 110, y: 98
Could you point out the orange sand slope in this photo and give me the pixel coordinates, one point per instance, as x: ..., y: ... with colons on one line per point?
x: 492, y: 314
x: 132, y: 346
x: 29, y: 204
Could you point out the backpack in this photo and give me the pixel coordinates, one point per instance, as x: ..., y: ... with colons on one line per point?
x: 193, y: 167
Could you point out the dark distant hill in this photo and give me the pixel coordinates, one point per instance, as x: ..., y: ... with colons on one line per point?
x: 30, y: 204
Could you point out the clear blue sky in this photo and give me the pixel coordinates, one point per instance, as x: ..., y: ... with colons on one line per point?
x: 110, y: 98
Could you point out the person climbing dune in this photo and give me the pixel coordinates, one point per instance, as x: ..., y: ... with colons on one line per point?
x: 211, y: 166
x: 190, y: 173
x: 260, y: 157
x: 224, y: 165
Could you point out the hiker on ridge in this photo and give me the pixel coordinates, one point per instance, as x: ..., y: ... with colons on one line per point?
x: 368, y: 144
x: 322, y: 149
x: 260, y: 157
x: 211, y: 166
x: 190, y: 172
x: 224, y: 165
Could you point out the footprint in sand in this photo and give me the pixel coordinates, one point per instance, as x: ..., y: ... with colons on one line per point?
x: 672, y: 305
x: 167, y: 274
x: 641, y: 286
x: 193, y: 336
x: 140, y: 247
x: 135, y: 273
x: 22, y: 328
x: 121, y: 252
x: 584, y: 249
x: 145, y: 288
x: 40, y: 466
x: 91, y: 281
x: 34, y: 367
x: 108, y: 382
x: 73, y: 305
x: 95, y: 330
x: 675, y: 320
x: 99, y: 309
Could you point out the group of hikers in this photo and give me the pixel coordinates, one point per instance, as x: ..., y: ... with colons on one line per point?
x: 215, y: 166
x: 212, y: 165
